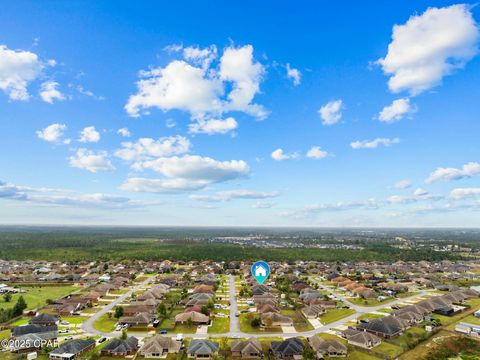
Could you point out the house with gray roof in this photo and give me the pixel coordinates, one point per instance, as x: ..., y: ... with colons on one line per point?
x: 202, y: 349
x: 288, y: 349
x: 249, y: 349
x: 72, y: 349
x: 120, y: 347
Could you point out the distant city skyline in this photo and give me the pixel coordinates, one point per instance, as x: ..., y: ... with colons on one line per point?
x: 313, y: 114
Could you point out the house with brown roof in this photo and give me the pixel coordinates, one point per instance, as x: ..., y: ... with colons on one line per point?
x: 159, y: 346
x: 313, y: 311
x: 141, y: 319
x: 249, y: 349
x: 363, y: 339
x: 196, y: 318
x: 273, y: 319
x: 322, y: 348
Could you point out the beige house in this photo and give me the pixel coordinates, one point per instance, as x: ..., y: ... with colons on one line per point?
x: 159, y: 346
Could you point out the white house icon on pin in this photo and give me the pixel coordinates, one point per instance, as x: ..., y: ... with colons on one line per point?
x: 260, y: 271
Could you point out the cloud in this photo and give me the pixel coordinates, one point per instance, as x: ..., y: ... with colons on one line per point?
x: 402, y: 184
x: 294, y: 74
x: 396, y: 111
x: 147, y: 148
x: 162, y: 185
x: 194, y: 167
x: 235, y: 194
x: 124, y: 132
x: 428, y: 47
x: 448, y: 174
x: 418, y: 195
x: 201, y: 90
x: 462, y: 193
x: 18, y: 68
x: 263, y: 205
x: 316, y: 152
x: 213, y: 126
x: 91, y: 161
x: 89, y: 134
x: 280, y: 155
x: 49, y: 92
x: 61, y: 197
x: 53, y: 133
x: 373, y: 144
x: 331, y: 113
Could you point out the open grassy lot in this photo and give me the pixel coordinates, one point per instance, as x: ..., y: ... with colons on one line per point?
x: 388, y: 349
x: 105, y: 324
x: 219, y: 326
x: 335, y: 314
x: 371, y: 302
x: 36, y: 296
x: 370, y: 316
x: 422, y: 349
x: 76, y: 320
x: 407, y: 294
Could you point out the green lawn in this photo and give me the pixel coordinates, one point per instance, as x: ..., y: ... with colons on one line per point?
x: 219, y: 326
x: 388, y: 349
x: 333, y: 315
x: 36, y: 296
x: 105, y: 324
x: 370, y: 316
x: 75, y: 319
x: 407, y: 294
x: 471, y: 320
x: 371, y: 302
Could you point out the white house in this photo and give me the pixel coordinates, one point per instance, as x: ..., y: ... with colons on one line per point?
x: 260, y: 271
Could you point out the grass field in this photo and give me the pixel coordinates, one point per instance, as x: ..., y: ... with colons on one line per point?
x: 36, y: 296
x: 105, y: 324
x: 365, y: 302
x: 219, y: 326
x: 333, y: 315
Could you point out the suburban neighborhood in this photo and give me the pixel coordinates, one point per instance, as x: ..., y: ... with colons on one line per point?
x: 211, y: 310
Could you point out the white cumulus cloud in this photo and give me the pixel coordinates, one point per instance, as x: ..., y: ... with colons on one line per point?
x: 462, y: 193
x: 91, y: 161
x: 316, y: 152
x: 402, y: 184
x: 429, y: 46
x: 213, y: 126
x: 53, y: 133
x: 294, y: 74
x: 373, y: 144
x: 89, y: 134
x: 49, y: 92
x: 147, y: 148
x: 448, y: 174
x: 124, y: 132
x: 331, y: 113
x: 280, y: 155
x: 18, y: 68
x: 397, y: 110
x: 201, y: 90
x: 228, y: 195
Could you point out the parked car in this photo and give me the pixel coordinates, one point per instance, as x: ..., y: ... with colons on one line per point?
x: 102, y: 339
x: 118, y: 328
x: 163, y: 332
x: 69, y: 337
x: 179, y: 337
x: 64, y: 322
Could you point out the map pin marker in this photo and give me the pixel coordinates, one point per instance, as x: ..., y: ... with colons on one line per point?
x: 260, y: 271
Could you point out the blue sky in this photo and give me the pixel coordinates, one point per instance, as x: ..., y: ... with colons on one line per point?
x: 305, y: 114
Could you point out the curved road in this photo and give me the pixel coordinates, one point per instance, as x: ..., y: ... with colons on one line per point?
x: 87, y: 326
x: 235, y: 332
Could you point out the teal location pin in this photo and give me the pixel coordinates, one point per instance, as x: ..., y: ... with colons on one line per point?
x: 260, y: 271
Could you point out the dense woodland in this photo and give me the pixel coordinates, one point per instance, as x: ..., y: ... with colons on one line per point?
x: 193, y: 244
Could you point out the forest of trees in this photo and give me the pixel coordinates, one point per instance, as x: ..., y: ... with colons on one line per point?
x: 110, y: 245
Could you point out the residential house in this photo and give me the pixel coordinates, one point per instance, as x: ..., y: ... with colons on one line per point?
x: 322, y: 348
x: 120, y: 347
x: 202, y: 349
x: 71, y: 349
x: 363, y: 339
x: 313, y: 311
x: 288, y: 349
x: 273, y: 319
x: 196, y: 318
x: 44, y: 320
x: 159, y: 346
x: 249, y: 349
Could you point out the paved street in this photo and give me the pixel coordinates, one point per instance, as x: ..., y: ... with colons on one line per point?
x: 87, y: 326
x: 234, y: 321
